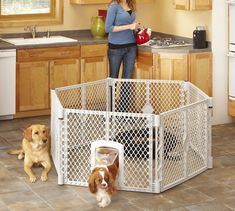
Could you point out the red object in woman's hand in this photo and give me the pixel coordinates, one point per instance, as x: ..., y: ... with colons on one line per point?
x: 142, y: 37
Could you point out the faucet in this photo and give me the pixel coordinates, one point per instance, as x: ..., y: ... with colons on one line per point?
x: 31, y: 29
x: 48, y: 33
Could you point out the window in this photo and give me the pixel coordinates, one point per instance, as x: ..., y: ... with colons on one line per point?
x: 24, y: 7
x: 14, y: 13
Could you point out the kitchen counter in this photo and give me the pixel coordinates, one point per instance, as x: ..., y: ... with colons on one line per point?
x: 84, y: 37
x: 185, y: 49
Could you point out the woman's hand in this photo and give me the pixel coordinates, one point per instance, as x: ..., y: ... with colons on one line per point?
x: 134, y: 26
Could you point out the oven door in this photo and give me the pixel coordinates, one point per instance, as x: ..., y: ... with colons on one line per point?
x: 231, y: 4
x: 231, y: 75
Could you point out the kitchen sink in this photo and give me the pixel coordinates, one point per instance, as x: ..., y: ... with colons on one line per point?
x: 40, y: 40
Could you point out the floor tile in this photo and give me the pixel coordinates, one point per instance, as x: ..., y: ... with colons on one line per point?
x: 212, y: 190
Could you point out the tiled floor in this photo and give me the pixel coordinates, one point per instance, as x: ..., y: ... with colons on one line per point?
x: 213, y: 190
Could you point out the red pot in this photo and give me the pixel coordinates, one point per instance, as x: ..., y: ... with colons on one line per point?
x: 142, y: 37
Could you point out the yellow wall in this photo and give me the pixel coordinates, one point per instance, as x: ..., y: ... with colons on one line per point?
x: 179, y: 22
x: 160, y: 15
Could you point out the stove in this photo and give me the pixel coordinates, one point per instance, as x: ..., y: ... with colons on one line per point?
x: 166, y: 42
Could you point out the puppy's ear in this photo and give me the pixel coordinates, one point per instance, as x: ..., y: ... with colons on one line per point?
x: 111, y: 186
x: 111, y: 179
x: 92, y: 185
x: 113, y: 169
x: 28, y: 134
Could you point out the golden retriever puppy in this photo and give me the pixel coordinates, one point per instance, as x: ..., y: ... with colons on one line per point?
x: 35, y: 150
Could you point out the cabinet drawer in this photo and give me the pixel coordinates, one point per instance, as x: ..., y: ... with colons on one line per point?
x: 93, y: 50
x: 46, y: 54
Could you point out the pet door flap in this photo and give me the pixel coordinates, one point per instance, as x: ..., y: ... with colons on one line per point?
x: 105, y: 155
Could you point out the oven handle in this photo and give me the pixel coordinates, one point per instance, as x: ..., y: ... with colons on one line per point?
x: 231, y: 54
x: 230, y: 1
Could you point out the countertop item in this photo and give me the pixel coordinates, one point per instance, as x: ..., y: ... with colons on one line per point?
x: 84, y: 37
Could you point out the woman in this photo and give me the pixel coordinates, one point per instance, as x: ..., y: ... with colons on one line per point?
x: 120, y: 24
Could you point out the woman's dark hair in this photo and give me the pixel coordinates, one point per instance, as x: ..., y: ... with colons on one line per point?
x: 131, y: 3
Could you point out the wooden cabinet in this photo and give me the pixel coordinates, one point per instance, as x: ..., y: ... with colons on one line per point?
x: 193, y: 4
x: 32, y: 86
x: 200, y: 71
x: 165, y: 66
x: 193, y: 67
x: 94, y: 64
x: 64, y: 72
x: 39, y: 70
x: 181, y: 4
x: 231, y: 108
x: 144, y: 65
x: 171, y: 66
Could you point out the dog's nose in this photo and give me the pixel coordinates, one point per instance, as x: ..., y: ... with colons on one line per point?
x: 104, y: 184
x: 44, y: 141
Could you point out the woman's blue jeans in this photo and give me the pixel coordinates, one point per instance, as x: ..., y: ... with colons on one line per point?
x: 126, y: 57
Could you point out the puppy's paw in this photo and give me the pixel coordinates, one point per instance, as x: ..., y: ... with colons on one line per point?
x: 44, y: 177
x: 20, y: 156
x: 33, y: 179
x: 103, y: 203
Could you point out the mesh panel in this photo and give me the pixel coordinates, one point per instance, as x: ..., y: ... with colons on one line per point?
x: 70, y: 98
x: 159, y: 150
x: 132, y: 131
x: 82, y: 129
x: 89, y: 96
x: 185, y: 144
x: 124, y: 96
x: 166, y: 95
x: 173, y: 154
x: 197, y: 141
x: 130, y: 96
x: 96, y: 97
x: 135, y: 133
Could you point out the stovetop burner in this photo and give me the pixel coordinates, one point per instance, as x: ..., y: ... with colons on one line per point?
x: 166, y: 42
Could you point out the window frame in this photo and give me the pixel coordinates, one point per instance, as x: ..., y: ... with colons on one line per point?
x: 50, y: 14
x: 54, y: 17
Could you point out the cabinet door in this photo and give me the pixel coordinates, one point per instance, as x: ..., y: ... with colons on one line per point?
x: 169, y: 66
x: 93, y: 68
x: 156, y: 66
x: 173, y: 66
x: 200, y: 4
x: 231, y: 108
x: 32, y: 86
x: 200, y: 71
x: 64, y: 72
x: 94, y: 65
x: 181, y: 4
x: 144, y: 65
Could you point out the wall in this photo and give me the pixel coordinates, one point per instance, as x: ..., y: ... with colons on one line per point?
x: 79, y: 16
x: 220, y: 61
x: 158, y: 14
x: 180, y: 22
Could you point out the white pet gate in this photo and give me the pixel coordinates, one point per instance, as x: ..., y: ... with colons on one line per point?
x: 164, y: 127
